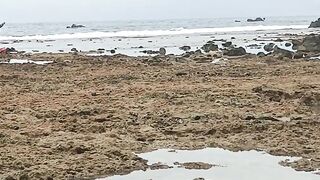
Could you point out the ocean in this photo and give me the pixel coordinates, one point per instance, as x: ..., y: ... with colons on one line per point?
x: 132, y: 37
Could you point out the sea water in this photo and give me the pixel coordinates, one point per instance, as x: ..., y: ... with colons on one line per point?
x: 132, y: 37
x: 243, y: 165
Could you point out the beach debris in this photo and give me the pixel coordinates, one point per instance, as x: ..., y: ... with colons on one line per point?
x: 2, y: 24
x: 73, y: 26
x: 315, y: 24
x: 258, y: 19
x: 185, y: 48
x: 210, y: 46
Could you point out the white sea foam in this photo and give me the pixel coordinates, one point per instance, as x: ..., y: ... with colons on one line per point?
x: 152, y: 33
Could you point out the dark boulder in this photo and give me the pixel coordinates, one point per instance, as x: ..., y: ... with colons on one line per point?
x: 315, y: 24
x: 2, y: 24
x: 185, y: 48
x: 73, y: 26
x: 227, y: 44
x: 269, y: 47
x: 281, y: 53
x: 162, y: 51
x: 258, y: 19
x: 240, y: 51
x: 309, y: 44
x: 210, y: 46
x: 74, y: 50
x: 288, y: 44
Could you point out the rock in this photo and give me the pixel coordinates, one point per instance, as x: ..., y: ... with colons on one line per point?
x: 269, y: 47
x: 227, y: 44
x: 258, y: 19
x: 2, y: 24
x: 283, y: 53
x: 185, y: 48
x: 74, y: 50
x: 150, y: 52
x: 162, y: 51
x: 261, y: 54
x: 112, y: 51
x: 237, y: 21
x: 24, y: 177
x: 288, y: 44
x: 240, y: 51
x: 298, y: 55
x: 278, y: 40
x: 73, y: 26
x: 158, y: 166
x: 9, y: 178
x: 10, y: 50
x: 198, y: 52
x: 210, y: 46
x: 310, y: 43
x: 195, y: 165
x: 315, y: 24
x: 233, y: 37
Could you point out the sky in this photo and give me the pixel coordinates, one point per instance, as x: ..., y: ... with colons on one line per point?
x: 109, y: 10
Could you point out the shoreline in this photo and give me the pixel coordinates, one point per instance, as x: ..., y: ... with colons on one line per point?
x: 82, y: 117
x: 97, y: 110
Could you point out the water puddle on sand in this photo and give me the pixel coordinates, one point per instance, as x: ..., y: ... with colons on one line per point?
x: 26, y: 61
x: 247, y: 165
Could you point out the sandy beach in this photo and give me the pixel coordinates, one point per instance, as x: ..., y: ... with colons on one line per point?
x: 83, y: 117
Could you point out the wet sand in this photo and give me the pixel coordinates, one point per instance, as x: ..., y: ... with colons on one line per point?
x: 83, y: 117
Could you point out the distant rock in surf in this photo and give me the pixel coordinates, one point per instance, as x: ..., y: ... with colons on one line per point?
x: 2, y: 24
x: 258, y: 19
x: 185, y: 48
x: 73, y: 26
x: 237, y: 21
x: 315, y: 24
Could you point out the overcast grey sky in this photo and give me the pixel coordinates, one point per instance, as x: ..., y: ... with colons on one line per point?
x: 105, y: 10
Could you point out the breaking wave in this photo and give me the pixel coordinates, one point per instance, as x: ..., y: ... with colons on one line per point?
x: 151, y: 33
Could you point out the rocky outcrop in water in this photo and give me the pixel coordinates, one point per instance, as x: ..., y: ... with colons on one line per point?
x: 315, y: 24
x: 2, y: 24
x: 258, y: 19
x: 74, y: 26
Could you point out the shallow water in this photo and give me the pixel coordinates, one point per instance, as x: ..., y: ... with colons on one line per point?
x: 125, y: 37
x: 247, y: 165
x: 26, y: 61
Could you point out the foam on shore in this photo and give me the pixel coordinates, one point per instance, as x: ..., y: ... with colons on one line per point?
x: 152, y: 33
